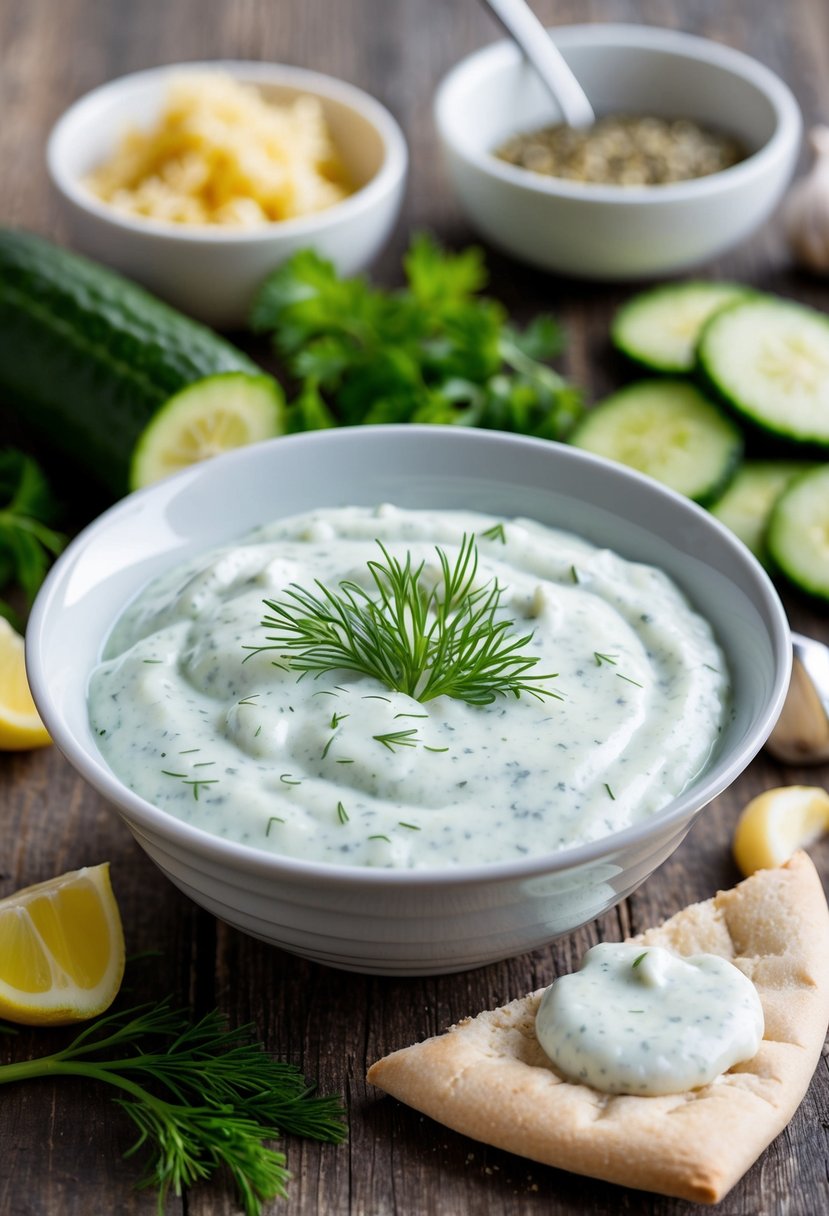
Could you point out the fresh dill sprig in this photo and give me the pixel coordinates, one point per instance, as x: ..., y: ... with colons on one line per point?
x: 443, y: 640
x: 201, y: 1095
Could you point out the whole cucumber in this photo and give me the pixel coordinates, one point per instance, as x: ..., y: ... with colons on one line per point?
x: 88, y: 358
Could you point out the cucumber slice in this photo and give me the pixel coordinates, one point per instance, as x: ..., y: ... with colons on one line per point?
x: 209, y: 417
x: 659, y: 328
x: 746, y: 505
x: 798, y: 535
x: 669, y: 430
x: 769, y: 360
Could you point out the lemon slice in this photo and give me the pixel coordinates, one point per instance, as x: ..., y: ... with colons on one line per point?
x: 61, y: 949
x: 774, y: 825
x: 20, y: 724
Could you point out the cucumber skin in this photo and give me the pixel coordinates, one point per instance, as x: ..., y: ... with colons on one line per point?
x: 796, y: 446
x: 87, y: 357
x: 667, y: 290
x: 816, y: 593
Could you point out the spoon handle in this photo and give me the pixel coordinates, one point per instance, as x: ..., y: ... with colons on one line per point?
x: 526, y: 30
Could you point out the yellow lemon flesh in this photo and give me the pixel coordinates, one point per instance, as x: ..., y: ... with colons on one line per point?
x: 20, y: 725
x: 61, y: 949
x: 774, y: 825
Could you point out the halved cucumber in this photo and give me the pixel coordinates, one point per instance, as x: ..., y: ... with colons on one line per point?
x: 769, y: 360
x: 669, y: 430
x: 746, y: 505
x: 209, y: 417
x: 87, y: 358
x: 659, y: 328
x: 798, y: 534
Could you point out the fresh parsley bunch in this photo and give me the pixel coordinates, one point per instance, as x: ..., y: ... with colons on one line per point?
x: 435, y: 351
x: 27, y: 543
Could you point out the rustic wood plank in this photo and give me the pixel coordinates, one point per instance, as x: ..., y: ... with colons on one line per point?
x: 60, y: 1145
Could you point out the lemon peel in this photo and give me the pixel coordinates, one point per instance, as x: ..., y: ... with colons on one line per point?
x: 778, y: 822
x: 61, y: 949
x: 20, y: 724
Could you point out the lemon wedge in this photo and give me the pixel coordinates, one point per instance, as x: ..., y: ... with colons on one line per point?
x: 61, y: 949
x: 777, y: 823
x: 20, y: 724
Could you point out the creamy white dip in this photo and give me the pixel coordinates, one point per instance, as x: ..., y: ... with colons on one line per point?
x: 640, y: 1020
x: 246, y: 750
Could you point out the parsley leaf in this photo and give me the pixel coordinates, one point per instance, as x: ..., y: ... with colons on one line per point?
x: 27, y: 543
x: 434, y: 351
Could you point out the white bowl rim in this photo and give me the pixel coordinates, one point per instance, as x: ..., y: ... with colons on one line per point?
x: 787, y: 130
x: 388, y: 176
x: 241, y: 858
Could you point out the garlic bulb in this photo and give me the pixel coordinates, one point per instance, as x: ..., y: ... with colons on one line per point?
x: 806, y: 213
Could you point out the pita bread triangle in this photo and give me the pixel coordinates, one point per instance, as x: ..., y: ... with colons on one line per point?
x: 488, y: 1078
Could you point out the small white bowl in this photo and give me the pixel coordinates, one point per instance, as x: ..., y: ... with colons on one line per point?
x: 412, y: 922
x: 212, y: 272
x: 617, y: 232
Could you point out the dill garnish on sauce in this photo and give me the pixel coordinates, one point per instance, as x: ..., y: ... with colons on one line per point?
x: 449, y: 639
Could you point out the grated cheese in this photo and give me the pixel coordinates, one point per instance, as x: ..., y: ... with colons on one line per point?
x: 221, y: 154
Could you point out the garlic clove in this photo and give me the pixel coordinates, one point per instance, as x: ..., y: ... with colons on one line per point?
x: 806, y: 211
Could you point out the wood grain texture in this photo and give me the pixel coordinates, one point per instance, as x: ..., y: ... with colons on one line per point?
x: 61, y: 1145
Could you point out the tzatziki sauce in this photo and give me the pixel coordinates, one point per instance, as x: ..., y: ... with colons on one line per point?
x: 336, y: 767
x: 644, y: 1020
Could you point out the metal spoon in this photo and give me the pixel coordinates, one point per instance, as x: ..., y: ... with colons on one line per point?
x: 801, y: 735
x: 526, y: 30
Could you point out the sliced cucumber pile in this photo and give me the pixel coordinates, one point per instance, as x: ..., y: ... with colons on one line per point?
x: 769, y: 360
x: 798, y: 534
x: 669, y: 430
x: 659, y: 328
x: 746, y: 505
x: 764, y: 360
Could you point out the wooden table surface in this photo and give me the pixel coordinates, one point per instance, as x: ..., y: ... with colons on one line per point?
x: 61, y: 1144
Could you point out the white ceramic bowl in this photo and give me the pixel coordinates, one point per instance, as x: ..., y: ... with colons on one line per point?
x: 424, y: 921
x: 212, y: 273
x: 617, y: 232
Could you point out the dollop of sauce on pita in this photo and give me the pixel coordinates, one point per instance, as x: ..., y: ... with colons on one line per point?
x: 647, y: 1021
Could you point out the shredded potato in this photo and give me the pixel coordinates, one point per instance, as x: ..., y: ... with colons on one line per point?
x: 221, y: 154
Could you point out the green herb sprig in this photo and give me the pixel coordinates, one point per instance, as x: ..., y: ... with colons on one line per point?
x: 443, y: 640
x: 435, y: 351
x: 27, y: 543
x: 201, y: 1095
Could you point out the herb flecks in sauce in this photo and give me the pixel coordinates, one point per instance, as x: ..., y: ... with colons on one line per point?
x: 694, y: 1018
x: 496, y: 532
x: 484, y: 783
x: 604, y: 658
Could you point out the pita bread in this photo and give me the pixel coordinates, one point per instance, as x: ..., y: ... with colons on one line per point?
x: 488, y: 1078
